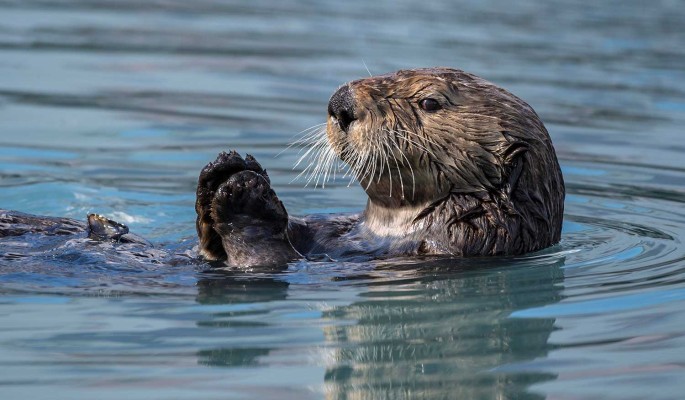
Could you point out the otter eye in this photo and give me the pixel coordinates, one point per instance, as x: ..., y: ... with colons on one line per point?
x: 429, y: 105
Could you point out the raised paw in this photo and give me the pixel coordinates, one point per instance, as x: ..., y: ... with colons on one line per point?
x: 246, y: 200
x: 218, y: 171
x: 211, y: 177
x: 240, y: 218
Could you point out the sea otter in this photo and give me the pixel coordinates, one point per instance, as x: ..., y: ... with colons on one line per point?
x: 452, y: 165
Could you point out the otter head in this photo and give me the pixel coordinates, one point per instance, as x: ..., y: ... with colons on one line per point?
x: 419, y: 138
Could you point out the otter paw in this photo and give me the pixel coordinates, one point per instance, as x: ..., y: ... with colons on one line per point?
x: 246, y: 200
x: 211, y: 177
x: 251, y: 221
x: 239, y: 217
x: 218, y: 171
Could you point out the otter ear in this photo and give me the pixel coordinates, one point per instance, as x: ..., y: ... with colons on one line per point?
x: 513, y: 160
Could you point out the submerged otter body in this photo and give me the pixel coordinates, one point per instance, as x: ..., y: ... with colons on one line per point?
x: 452, y: 165
x: 43, y: 240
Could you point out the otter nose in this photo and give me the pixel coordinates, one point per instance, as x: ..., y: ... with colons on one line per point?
x: 341, y: 107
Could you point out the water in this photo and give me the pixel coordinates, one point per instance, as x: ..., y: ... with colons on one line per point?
x: 115, y: 106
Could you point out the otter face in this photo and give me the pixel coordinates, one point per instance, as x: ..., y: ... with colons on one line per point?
x: 378, y: 127
x: 415, y: 136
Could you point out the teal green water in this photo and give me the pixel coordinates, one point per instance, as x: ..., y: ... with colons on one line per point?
x: 114, y: 106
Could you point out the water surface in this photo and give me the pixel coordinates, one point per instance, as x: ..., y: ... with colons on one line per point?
x: 114, y: 107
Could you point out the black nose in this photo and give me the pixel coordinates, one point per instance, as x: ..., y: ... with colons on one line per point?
x: 341, y: 107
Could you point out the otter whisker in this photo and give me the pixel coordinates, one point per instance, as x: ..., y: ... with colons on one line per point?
x: 307, y: 137
x: 314, y: 150
x: 313, y: 146
x: 387, y: 161
x: 349, y: 166
x: 413, y: 178
x: 315, y: 153
x: 373, y: 163
x: 310, y: 128
x: 329, y: 163
x: 361, y: 165
x: 323, y: 166
x: 419, y: 137
x: 308, y: 134
x: 364, y: 166
x: 349, y: 170
x: 356, y: 165
x: 310, y: 170
x: 333, y: 164
x: 319, y: 156
x: 382, y: 156
x: 321, y: 162
x: 397, y: 165
x: 377, y: 156
x: 415, y: 144
x: 352, y: 163
x: 312, y: 153
x: 367, y: 68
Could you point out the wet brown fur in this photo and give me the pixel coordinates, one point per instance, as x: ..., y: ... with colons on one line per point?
x: 483, y: 174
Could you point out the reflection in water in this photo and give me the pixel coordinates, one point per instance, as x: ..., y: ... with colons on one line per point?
x: 441, y: 338
x: 239, y: 357
x: 236, y: 289
x: 217, y: 288
x: 445, y: 332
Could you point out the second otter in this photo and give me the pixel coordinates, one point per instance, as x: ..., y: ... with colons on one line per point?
x: 452, y: 165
